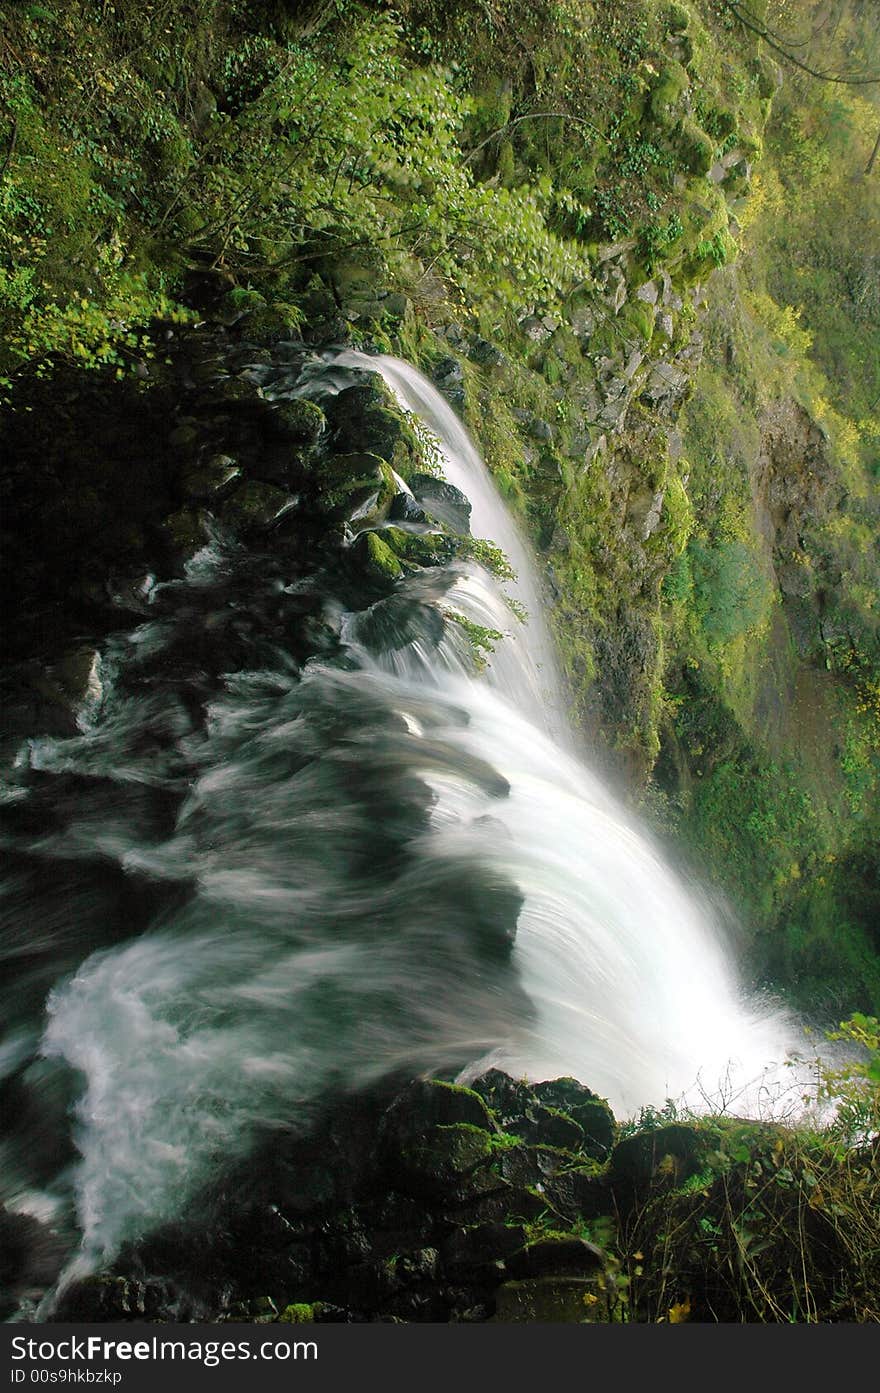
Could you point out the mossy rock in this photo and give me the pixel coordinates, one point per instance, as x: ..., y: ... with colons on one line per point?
x: 300, y: 1313
x: 696, y: 148
x: 554, y: 1300
x: 254, y: 506
x: 238, y: 302
x: 449, y: 1163
x: 173, y: 154
x: 367, y: 415
x: 531, y: 1166
x: 267, y: 325
x: 582, y: 1192
x: 420, y: 548
x: 346, y: 484
x: 591, y: 1112
x: 376, y: 558
x: 435, y: 1103
x: 667, y: 92
x: 204, y: 481
x: 561, y: 1256
x: 662, y: 1157
x: 676, y: 18
x: 638, y: 317
x: 299, y: 420
x: 186, y: 530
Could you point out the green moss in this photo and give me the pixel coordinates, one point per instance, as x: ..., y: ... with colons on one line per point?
x: 379, y: 559
x: 667, y: 92
x: 419, y: 548
x: 676, y: 19
x: 678, y: 515
x: 639, y: 316
x: 695, y: 147
x: 299, y: 1313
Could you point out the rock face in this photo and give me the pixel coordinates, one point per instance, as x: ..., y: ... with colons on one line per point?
x: 420, y: 1204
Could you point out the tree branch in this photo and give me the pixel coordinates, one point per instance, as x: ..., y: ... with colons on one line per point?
x: 756, y: 26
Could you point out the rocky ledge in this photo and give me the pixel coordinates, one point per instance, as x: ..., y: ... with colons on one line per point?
x: 434, y: 1203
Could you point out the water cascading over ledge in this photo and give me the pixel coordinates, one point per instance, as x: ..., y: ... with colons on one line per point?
x: 303, y: 842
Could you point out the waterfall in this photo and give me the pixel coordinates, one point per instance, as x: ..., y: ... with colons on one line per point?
x: 390, y: 862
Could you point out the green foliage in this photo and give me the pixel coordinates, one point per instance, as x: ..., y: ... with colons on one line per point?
x: 486, y: 554
x: 853, y: 1087
x: 773, y: 1224
x: 731, y: 592
x: 481, y: 639
x: 656, y: 238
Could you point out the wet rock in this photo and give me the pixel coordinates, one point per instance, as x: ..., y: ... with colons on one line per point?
x: 203, y: 481
x: 477, y: 1249
x: 107, y: 1298
x: 184, y: 436
x: 448, y: 1162
x: 375, y: 558
x: 78, y: 674
x: 669, y: 1154
x: 580, y: 1193
x: 267, y: 325
x: 419, y: 548
x: 418, y: 1266
x: 432, y: 1103
x: 508, y: 1098
x: 31, y: 1257
x: 367, y: 412
x: 442, y: 501
x: 254, y: 506
x: 557, y: 1300
x: 591, y: 1112
x: 449, y: 377
x: 398, y: 620
x: 509, y: 1202
x: 487, y: 354
x: 531, y: 1166
x: 405, y: 508
x: 359, y: 487
x: 298, y: 420
x: 186, y: 530
x: 564, y: 1257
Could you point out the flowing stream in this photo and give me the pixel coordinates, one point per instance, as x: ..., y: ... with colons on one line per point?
x: 341, y: 869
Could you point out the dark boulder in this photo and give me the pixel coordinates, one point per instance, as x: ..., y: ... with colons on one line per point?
x: 442, y: 501
x: 565, y: 1257
x: 586, y: 1108
x: 405, y: 508
x: 664, y: 1156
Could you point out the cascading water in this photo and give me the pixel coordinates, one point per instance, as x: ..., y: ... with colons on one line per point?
x: 332, y: 865
x: 633, y: 983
